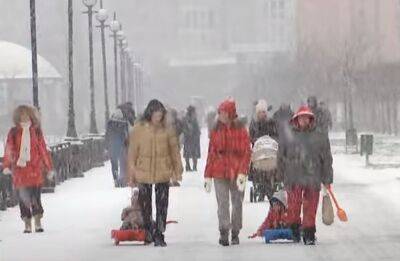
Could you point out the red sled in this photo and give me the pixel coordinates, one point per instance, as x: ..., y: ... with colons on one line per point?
x: 138, y: 235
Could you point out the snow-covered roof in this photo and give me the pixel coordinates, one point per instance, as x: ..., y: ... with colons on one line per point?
x: 16, y: 63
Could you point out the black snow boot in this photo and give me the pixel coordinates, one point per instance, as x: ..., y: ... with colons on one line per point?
x: 309, y: 236
x: 159, y: 240
x: 235, y: 238
x: 3, y: 205
x: 296, y: 232
x: 188, y: 168
x: 148, y: 239
x: 224, y: 238
x: 194, y: 164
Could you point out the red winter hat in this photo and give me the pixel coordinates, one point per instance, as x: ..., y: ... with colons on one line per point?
x: 228, y: 106
x: 303, y: 110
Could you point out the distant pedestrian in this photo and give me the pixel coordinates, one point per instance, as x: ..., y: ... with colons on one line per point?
x: 191, y: 137
x: 322, y: 121
x: 116, y: 141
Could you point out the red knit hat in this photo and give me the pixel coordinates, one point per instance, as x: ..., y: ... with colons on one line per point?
x: 303, y: 110
x: 228, y: 106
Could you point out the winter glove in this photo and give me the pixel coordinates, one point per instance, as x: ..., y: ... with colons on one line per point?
x: 241, y: 182
x: 253, y: 236
x: 207, y: 184
x: 7, y: 171
x: 51, y: 175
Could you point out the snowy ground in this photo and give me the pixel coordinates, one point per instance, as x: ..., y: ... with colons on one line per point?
x: 80, y: 215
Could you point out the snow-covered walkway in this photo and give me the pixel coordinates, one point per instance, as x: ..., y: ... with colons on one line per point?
x: 80, y: 215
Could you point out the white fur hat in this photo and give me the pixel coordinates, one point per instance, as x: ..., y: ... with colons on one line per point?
x: 261, y: 106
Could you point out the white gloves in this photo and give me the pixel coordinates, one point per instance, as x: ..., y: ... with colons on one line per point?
x: 207, y: 184
x: 7, y: 171
x: 51, y: 174
x: 241, y: 182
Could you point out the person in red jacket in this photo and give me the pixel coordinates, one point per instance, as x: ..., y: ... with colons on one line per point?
x: 228, y: 164
x: 26, y: 158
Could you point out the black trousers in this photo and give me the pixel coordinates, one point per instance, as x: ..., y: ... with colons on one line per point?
x: 30, y: 203
x: 145, y: 198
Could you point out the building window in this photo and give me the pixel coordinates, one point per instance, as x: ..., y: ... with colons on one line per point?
x: 199, y: 19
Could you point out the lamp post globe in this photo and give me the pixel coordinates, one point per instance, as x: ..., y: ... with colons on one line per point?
x: 114, y: 26
x: 124, y: 44
x: 89, y: 3
x: 102, y: 15
x: 121, y: 35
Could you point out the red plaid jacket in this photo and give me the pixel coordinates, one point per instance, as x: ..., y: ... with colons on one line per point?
x: 228, y: 152
x: 31, y: 175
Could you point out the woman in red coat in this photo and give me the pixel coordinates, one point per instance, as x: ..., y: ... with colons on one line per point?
x: 26, y: 158
x: 228, y: 164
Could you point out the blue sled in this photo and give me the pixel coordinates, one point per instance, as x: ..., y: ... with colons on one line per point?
x: 275, y: 234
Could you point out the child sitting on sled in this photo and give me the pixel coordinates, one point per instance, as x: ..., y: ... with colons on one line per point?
x: 276, y: 215
x: 131, y: 216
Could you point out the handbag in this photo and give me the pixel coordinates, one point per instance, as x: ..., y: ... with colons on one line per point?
x: 328, y: 215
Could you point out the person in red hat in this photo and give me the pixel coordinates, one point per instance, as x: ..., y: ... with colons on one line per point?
x: 228, y: 164
x: 304, y: 162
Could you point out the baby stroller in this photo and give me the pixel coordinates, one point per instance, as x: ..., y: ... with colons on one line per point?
x: 263, y: 171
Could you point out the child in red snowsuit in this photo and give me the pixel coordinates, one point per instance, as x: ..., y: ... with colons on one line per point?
x: 277, y: 214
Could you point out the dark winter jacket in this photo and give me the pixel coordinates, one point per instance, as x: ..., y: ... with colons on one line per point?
x: 323, y: 119
x: 282, y: 118
x: 178, y: 126
x: 191, y: 135
x: 128, y: 113
x: 305, y: 159
x: 116, y: 137
x: 261, y: 128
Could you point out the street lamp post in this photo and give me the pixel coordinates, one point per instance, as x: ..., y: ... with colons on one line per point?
x: 136, y: 83
x: 139, y: 71
x: 71, y: 130
x: 34, y: 54
x: 102, y: 16
x: 93, y: 126
x: 114, y: 27
x: 122, y: 44
x: 129, y: 68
